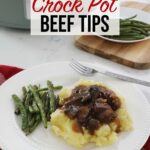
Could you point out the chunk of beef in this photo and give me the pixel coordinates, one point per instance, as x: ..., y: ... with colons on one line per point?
x: 92, y: 125
x: 72, y: 100
x: 112, y: 99
x: 71, y: 111
x: 101, y: 100
x: 107, y: 116
x: 100, y: 107
x: 86, y: 97
x: 83, y: 93
x: 83, y: 114
x: 114, y: 103
x: 94, y: 91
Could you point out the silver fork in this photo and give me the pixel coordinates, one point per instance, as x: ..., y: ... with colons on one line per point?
x: 87, y: 71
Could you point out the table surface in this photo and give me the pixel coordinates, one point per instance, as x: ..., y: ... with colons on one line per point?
x: 19, y: 48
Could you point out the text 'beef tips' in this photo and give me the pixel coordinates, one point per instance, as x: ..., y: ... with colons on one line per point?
x: 92, y: 106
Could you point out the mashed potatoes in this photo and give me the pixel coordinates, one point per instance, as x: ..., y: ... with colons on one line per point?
x: 62, y: 125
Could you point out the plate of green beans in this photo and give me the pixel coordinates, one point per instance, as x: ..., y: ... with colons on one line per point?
x: 134, y: 26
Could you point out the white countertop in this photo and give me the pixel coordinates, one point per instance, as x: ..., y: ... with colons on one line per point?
x: 18, y: 48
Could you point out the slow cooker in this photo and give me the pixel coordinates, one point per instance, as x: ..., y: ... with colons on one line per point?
x: 13, y: 14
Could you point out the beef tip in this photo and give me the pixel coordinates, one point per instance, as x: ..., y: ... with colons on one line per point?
x: 83, y: 114
x: 106, y: 93
x: 101, y: 100
x: 82, y: 92
x: 86, y: 97
x: 76, y: 98
x: 100, y: 107
x: 73, y: 100
x: 103, y: 112
x: 71, y: 111
x: 112, y: 99
x: 92, y: 125
x: 102, y: 92
x: 114, y: 103
x: 106, y: 116
x: 94, y: 91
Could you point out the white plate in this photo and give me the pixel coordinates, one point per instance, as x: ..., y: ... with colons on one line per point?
x: 43, y: 139
x: 129, y: 12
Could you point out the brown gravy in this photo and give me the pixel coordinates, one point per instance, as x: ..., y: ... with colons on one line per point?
x: 91, y: 106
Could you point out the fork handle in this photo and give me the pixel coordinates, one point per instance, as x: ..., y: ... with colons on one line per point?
x: 127, y: 78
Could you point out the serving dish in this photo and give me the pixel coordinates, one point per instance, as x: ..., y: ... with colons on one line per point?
x: 127, y: 13
x: 60, y: 73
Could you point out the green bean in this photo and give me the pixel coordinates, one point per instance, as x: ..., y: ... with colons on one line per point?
x: 132, y: 31
x: 131, y: 28
x: 147, y: 29
x: 45, y: 100
x: 42, y: 90
x: 37, y: 87
x: 31, y: 120
x: 57, y: 101
x: 24, y: 90
x: 48, y: 116
x: 141, y: 30
x: 39, y: 104
x: 37, y: 117
x: 52, y: 96
x: 140, y: 22
x: 59, y: 87
x: 140, y: 25
x: 31, y: 110
x: 23, y: 111
x: 125, y: 23
x: 43, y: 96
x: 126, y: 31
x: 46, y: 105
x: 128, y: 37
x: 131, y: 34
x: 131, y: 17
x: 133, y: 23
x: 28, y: 100
x: 36, y: 123
x: 35, y: 107
x: 47, y: 108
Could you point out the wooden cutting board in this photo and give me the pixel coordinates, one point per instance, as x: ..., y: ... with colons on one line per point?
x: 136, y: 55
